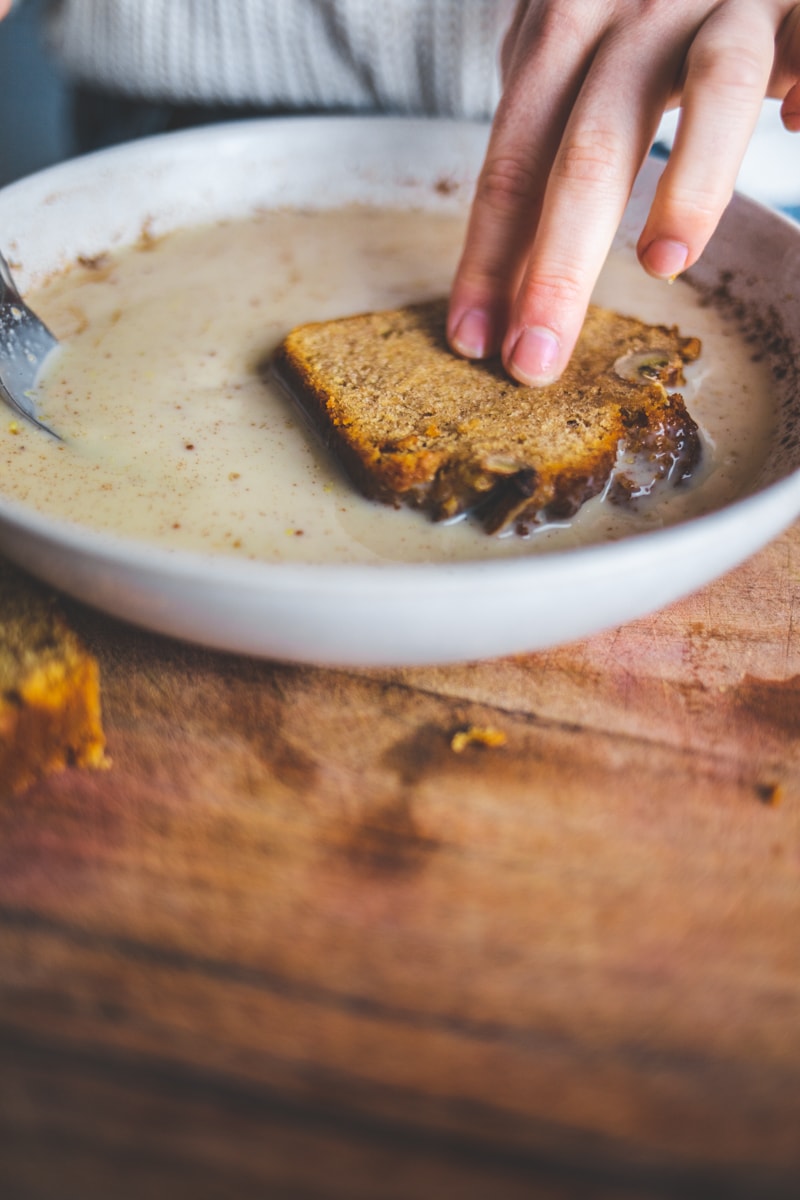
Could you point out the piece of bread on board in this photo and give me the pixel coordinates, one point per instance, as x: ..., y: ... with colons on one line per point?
x: 413, y: 423
x: 49, y: 688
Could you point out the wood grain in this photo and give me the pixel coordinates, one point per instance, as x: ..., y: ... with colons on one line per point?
x: 293, y: 945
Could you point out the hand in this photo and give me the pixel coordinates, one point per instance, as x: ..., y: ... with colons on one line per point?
x: 585, y: 85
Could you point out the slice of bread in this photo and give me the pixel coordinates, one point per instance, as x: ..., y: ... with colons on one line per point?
x: 413, y: 423
x: 49, y: 688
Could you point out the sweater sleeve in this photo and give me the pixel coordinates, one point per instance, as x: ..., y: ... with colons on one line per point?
x: 407, y: 56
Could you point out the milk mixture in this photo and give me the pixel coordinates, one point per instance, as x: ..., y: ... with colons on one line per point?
x: 175, y: 432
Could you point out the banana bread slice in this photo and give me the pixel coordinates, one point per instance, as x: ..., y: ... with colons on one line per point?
x: 49, y: 688
x: 413, y: 423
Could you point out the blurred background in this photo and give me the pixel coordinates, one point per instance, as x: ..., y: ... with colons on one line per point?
x: 34, y: 120
x: 35, y: 125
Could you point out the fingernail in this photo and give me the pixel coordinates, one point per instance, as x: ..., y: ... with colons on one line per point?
x: 471, y: 336
x: 665, y: 258
x: 534, y: 356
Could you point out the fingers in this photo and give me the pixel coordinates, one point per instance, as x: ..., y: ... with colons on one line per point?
x: 566, y: 145
x: 606, y: 138
x: 586, y: 86
x: 543, y: 71
x: 728, y: 69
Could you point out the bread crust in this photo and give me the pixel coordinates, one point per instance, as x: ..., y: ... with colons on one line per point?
x: 412, y: 423
x: 49, y: 688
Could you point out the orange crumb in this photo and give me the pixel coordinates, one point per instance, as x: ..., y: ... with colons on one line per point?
x: 770, y: 794
x: 477, y: 735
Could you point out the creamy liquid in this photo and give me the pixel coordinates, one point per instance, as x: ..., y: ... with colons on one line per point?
x: 175, y: 433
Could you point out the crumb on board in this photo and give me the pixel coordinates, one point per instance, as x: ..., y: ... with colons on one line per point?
x: 770, y: 794
x: 477, y: 735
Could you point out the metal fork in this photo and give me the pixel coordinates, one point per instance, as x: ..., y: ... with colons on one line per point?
x: 25, y: 343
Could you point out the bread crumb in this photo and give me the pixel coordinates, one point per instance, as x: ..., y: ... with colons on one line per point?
x: 94, y: 262
x: 770, y: 794
x: 50, y: 715
x: 477, y: 735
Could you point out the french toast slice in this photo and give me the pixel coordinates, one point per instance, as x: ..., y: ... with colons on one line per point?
x: 412, y: 423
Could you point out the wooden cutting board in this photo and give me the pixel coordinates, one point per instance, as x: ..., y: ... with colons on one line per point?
x: 293, y: 944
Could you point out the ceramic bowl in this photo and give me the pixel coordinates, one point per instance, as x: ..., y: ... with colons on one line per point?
x: 384, y: 614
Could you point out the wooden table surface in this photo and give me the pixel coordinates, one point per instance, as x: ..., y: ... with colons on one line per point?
x: 293, y: 945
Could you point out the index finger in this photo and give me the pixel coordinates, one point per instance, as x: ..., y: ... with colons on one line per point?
x: 544, y: 77
x: 605, y: 142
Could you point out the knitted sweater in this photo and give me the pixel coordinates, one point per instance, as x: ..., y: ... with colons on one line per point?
x: 408, y: 56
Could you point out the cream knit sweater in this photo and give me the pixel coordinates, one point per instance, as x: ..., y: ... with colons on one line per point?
x: 407, y: 56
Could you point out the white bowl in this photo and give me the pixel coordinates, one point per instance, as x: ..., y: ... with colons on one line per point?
x: 383, y: 614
